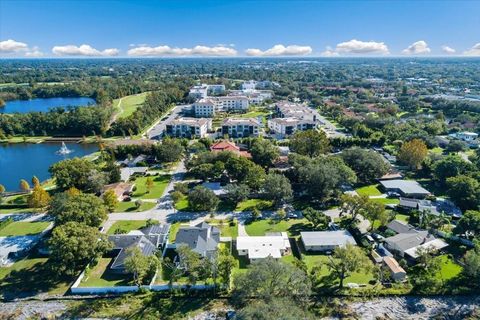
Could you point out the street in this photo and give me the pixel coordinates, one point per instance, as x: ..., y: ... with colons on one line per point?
x: 156, y: 131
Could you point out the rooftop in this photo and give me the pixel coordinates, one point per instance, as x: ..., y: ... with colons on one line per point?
x: 264, y: 246
x: 405, y: 186
x: 327, y: 238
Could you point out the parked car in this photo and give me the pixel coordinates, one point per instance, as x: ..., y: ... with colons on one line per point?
x: 377, y: 237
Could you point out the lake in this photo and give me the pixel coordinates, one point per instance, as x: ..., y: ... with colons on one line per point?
x: 24, y: 160
x: 24, y: 106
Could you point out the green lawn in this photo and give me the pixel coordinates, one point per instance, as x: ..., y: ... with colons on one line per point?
x: 402, y: 217
x: 129, y: 206
x: 129, y: 104
x: 249, y: 204
x: 450, y: 269
x: 23, y: 228
x: 386, y: 201
x: 101, y: 276
x: 182, y: 204
x: 160, y: 183
x: 293, y: 226
x: 30, y: 276
x: 226, y: 229
x: 174, y: 230
x: 371, y: 190
x: 127, y: 225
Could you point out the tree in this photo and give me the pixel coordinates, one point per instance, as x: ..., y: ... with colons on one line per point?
x: 73, y: 191
x: 35, y: 181
x: 73, y: 245
x: 464, y: 191
x: 195, y: 267
x: 450, y: 166
x: 277, y: 187
x: 471, y: 268
x: 140, y: 265
x: 72, y: 173
x: 110, y: 200
x: 39, y: 198
x: 176, y: 196
x: 202, y: 199
x: 83, y: 208
x: 256, y: 213
x: 310, y: 143
x: 274, y: 309
x: 245, y: 171
x: 226, y: 263
x: 375, y: 211
x: 347, y: 260
x: 469, y: 224
x: 237, y: 192
x: 264, y: 153
x: 24, y: 186
x: 367, y: 164
x: 95, y: 181
x: 149, y: 184
x: 170, y: 150
x: 2, y: 190
x: 318, y: 219
x: 353, y: 206
x: 268, y: 279
x: 413, y: 153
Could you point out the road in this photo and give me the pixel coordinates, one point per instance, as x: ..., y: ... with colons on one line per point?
x: 156, y: 131
x: 330, y: 128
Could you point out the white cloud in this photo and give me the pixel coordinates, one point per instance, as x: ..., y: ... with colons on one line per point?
x: 10, y: 46
x: 448, y: 50
x: 474, y: 51
x: 329, y: 52
x: 280, y: 50
x: 195, y: 51
x: 419, y: 47
x: 362, y: 47
x: 83, y: 50
x: 34, y: 53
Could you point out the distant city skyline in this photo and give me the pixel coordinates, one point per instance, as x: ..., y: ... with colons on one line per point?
x: 238, y: 28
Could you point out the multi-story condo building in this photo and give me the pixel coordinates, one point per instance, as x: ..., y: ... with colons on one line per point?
x: 216, y: 89
x: 254, y: 96
x: 286, y: 109
x: 189, y: 127
x: 240, y: 128
x: 198, y: 92
x: 210, y: 106
x: 249, y: 85
x: 287, y: 126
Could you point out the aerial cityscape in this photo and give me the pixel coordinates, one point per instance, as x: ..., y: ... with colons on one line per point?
x: 239, y: 160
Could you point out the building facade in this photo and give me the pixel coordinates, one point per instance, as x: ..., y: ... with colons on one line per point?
x: 240, y: 128
x: 189, y: 127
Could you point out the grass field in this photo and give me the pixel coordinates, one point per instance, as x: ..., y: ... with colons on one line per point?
x: 226, y: 230
x: 386, y: 201
x: 159, y: 185
x: 100, y: 276
x: 23, y: 228
x: 449, y: 268
x: 249, y: 204
x: 30, y: 276
x: 129, y: 206
x: 127, y: 225
x: 293, y: 227
x: 371, y: 190
x: 127, y: 105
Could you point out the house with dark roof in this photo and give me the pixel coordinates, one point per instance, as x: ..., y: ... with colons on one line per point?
x: 147, y: 239
x: 400, y: 227
x: 406, y: 188
x: 201, y: 238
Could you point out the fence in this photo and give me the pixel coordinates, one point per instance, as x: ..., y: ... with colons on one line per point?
x: 449, y: 236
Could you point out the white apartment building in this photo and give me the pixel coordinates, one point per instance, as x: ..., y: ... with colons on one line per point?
x: 283, y: 127
x: 198, y: 92
x: 286, y: 109
x: 240, y: 128
x: 216, y: 88
x: 189, y: 127
x: 249, y: 85
x: 254, y: 96
x: 210, y: 106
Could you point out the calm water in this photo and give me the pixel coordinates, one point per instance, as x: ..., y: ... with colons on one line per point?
x: 23, y: 106
x: 24, y: 160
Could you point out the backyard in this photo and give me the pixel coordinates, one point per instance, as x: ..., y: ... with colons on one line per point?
x: 101, y: 276
x: 292, y: 226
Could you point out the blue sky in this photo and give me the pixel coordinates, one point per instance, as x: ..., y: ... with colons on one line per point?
x: 238, y: 28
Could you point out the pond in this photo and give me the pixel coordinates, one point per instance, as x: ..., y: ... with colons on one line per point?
x: 42, y: 105
x: 24, y: 160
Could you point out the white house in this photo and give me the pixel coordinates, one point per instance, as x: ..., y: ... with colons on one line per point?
x: 255, y: 248
x: 326, y: 240
x: 466, y: 136
x: 189, y: 127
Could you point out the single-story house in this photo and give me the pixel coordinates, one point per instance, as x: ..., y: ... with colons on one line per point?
x: 433, y: 207
x: 201, y: 238
x: 121, y: 189
x: 391, y: 176
x: 406, y: 188
x: 400, y: 227
x: 147, y: 239
x: 397, y: 273
x: 326, y: 240
x: 132, y: 162
x: 273, y: 245
x: 216, y: 187
x: 434, y: 245
x: 126, y: 173
x: 226, y: 145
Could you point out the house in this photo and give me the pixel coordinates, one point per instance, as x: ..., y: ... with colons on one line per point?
x: 322, y: 241
x: 132, y: 162
x: 216, y: 187
x: 406, y: 188
x: 391, y: 175
x: 201, y: 238
x: 465, y: 136
x: 402, y: 242
x: 398, y: 226
x: 147, y: 239
x: 432, y: 246
x: 397, y: 273
x: 273, y: 245
x: 240, y: 128
x: 121, y: 189
x: 225, y: 145
x: 189, y: 127
x: 433, y: 207
x: 126, y: 173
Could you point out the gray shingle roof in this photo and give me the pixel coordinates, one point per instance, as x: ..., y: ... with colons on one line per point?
x: 123, y: 242
x: 201, y: 238
x: 405, y: 186
x: 400, y: 227
x: 327, y: 238
x: 405, y: 241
